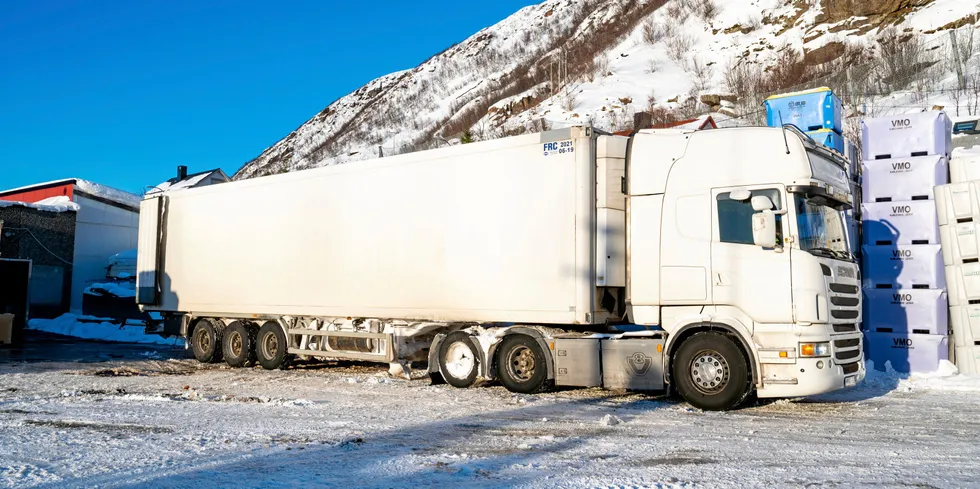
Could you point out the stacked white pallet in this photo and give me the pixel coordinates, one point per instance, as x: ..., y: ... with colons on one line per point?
x: 906, y: 303
x: 959, y: 220
x: 964, y: 165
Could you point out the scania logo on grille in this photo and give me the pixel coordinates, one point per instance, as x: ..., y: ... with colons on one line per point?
x: 846, y: 272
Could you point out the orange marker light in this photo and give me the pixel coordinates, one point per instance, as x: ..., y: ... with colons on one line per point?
x: 808, y: 350
x: 784, y: 354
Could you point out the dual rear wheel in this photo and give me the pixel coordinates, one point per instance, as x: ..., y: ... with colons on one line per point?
x: 520, y: 361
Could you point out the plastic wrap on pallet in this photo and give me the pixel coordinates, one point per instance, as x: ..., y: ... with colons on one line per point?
x: 829, y: 139
x: 903, y: 178
x: 900, y: 223
x: 906, y: 311
x: 961, y: 243
x: 906, y: 135
x: 907, y: 353
x: 811, y: 110
x: 903, y: 267
x: 964, y: 165
x: 965, y: 321
x: 957, y: 203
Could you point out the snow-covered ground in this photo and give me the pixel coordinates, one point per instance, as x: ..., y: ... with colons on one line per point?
x: 92, y: 329
x: 176, y: 423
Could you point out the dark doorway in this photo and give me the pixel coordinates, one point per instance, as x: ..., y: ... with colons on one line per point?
x: 15, y: 275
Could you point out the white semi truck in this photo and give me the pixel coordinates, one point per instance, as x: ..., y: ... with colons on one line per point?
x: 713, y: 263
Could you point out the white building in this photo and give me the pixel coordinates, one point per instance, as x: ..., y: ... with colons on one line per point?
x: 107, y: 223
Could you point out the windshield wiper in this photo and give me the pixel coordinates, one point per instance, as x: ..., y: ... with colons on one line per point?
x: 839, y: 255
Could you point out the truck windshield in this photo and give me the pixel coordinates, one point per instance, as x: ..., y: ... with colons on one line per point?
x: 821, y: 228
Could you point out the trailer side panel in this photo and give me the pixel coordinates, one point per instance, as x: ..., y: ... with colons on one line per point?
x: 501, y: 231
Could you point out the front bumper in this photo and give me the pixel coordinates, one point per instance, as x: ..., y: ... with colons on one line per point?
x: 804, y: 378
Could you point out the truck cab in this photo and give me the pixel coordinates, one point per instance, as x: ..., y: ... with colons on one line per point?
x: 736, y: 239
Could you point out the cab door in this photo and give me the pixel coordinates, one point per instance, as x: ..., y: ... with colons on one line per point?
x: 755, y: 279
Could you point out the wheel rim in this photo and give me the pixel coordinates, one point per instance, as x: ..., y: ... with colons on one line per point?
x: 204, y: 341
x: 459, y: 360
x: 710, y: 372
x: 520, y: 364
x: 236, y: 344
x: 270, y: 345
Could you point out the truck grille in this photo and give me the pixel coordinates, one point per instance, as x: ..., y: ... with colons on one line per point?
x: 847, y: 350
x: 845, y: 304
x: 845, y: 301
x: 844, y: 314
x: 848, y: 355
x: 844, y: 289
x: 845, y: 319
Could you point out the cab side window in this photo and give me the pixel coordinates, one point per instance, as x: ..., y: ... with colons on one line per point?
x: 735, y: 217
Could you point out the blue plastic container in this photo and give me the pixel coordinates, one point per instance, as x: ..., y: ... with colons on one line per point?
x: 829, y: 139
x: 811, y: 110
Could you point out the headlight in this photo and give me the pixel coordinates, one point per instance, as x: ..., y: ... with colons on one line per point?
x: 814, y: 350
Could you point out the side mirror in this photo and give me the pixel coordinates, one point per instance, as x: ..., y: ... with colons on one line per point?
x: 740, y: 195
x: 762, y: 203
x: 764, y: 229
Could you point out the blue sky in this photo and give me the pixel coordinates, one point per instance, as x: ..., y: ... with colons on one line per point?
x: 121, y: 92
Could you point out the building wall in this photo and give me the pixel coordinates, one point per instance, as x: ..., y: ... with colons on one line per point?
x: 101, y: 230
x: 34, y: 196
x: 51, y: 276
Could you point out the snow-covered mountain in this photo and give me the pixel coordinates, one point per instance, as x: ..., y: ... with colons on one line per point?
x: 600, y: 61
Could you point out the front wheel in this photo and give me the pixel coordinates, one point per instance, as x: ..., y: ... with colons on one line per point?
x: 522, y: 365
x: 711, y: 372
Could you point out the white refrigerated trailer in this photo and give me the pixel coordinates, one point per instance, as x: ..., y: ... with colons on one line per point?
x: 519, y: 260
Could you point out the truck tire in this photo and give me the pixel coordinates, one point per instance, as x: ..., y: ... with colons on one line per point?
x: 459, y: 360
x: 271, y: 347
x: 206, y: 341
x: 238, y: 345
x: 522, y: 365
x: 711, y: 372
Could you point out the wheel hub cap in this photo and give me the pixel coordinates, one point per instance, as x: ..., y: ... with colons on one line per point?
x: 710, y: 372
x: 521, y: 363
x: 459, y: 360
x: 236, y: 344
x: 270, y: 345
